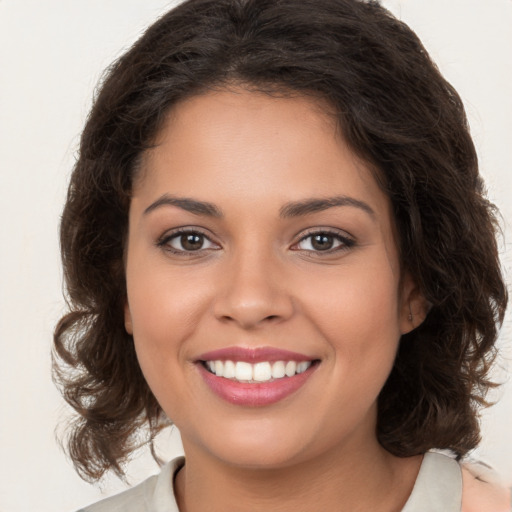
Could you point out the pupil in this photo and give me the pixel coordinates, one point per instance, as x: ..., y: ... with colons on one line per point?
x: 322, y: 242
x: 191, y: 242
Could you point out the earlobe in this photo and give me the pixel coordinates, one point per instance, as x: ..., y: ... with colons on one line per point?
x: 414, y: 306
x: 128, y: 320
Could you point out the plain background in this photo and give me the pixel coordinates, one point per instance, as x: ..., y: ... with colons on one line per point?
x: 52, y: 53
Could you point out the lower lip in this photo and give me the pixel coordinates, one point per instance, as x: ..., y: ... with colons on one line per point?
x: 255, y: 395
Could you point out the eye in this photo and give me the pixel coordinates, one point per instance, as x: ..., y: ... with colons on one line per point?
x: 186, y: 241
x: 324, y: 241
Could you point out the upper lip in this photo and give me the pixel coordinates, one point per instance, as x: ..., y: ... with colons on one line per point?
x: 253, y: 355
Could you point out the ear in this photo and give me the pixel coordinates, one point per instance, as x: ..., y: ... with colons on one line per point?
x: 413, y: 306
x: 128, y: 319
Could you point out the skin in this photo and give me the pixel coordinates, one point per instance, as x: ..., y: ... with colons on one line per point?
x: 257, y: 280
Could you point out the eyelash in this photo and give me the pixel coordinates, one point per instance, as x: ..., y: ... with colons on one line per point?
x: 345, y: 241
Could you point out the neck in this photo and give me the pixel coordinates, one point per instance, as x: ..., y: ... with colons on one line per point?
x: 345, y: 479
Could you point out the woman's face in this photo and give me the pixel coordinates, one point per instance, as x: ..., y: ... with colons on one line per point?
x: 258, y: 241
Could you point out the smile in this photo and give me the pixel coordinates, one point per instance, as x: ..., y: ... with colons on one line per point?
x: 266, y: 371
x: 255, y: 377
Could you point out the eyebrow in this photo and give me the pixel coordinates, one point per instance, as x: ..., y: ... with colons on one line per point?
x: 307, y: 206
x: 289, y: 210
x: 190, y: 205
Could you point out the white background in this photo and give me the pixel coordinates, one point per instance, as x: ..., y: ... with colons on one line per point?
x: 52, y: 53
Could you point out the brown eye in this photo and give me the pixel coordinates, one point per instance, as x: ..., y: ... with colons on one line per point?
x: 183, y: 242
x: 323, y: 241
x: 191, y: 242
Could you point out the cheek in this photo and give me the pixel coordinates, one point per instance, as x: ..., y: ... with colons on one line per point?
x: 357, y: 313
x: 164, y: 313
x: 361, y: 299
x: 161, y: 300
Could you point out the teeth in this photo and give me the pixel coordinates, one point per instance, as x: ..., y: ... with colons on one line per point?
x: 243, y: 371
x: 302, y: 366
x: 278, y: 370
x: 290, y: 368
x: 259, y: 372
x: 262, y: 372
x: 229, y: 370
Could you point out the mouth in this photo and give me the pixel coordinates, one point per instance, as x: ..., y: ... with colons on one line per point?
x: 255, y: 377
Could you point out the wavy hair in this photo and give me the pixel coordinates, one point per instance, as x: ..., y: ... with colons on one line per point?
x: 395, y: 111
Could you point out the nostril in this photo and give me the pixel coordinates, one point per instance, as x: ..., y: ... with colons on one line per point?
x: 252, y: 307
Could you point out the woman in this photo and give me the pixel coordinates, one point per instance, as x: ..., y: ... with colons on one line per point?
x: 276, y: 238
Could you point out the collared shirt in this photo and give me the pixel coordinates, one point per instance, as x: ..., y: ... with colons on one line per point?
x: 438, y: 488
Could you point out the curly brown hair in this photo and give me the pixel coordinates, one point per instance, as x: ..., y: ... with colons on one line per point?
x: 396, y: 112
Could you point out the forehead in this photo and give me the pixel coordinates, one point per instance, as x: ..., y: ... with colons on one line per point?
x: 265, y: 142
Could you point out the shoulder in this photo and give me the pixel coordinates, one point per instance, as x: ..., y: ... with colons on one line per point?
x: 482, y: 491
x: 445, y: 484
x: 155, y: 493
x: 133, y: 499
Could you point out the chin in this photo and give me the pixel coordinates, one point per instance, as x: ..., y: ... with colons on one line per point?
x: 258, y: 457
x: 260, y: 444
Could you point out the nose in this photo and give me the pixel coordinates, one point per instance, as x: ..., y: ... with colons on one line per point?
x: 254, y: 292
